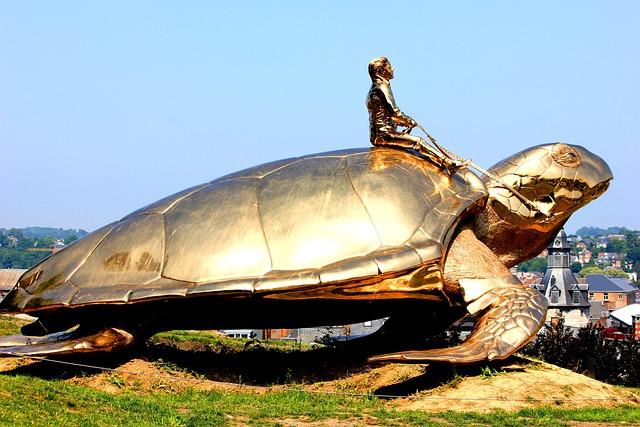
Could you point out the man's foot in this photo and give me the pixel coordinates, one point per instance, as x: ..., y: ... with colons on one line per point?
x: 448, y: 164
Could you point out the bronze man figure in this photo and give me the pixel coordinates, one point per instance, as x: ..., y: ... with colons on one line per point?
x: 385, y: 117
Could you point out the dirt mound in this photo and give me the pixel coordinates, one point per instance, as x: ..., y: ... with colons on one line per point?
x: 532, y: 385
x: 175, y: 362
x: 525, y: 384
x: 372, y: 381
x: 417, y: 387
x: 152, y: 377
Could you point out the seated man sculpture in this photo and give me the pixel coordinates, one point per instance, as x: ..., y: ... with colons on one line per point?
x: 385, y: 117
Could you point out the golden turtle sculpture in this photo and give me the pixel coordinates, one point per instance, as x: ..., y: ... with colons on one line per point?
x: 331, y: 238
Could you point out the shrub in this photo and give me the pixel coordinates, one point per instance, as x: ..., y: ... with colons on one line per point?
x: 588, y: 351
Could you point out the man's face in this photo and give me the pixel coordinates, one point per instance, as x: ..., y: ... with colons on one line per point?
x: 387, y: 71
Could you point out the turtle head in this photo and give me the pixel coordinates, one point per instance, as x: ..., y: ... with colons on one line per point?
x: 553, y: 179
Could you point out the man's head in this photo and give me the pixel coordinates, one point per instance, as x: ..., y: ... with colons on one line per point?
x: 380, y: 67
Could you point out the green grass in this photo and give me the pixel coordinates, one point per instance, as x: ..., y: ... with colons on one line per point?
x: 10, y: 325
x: 213, y: 341
x: 33, y: 401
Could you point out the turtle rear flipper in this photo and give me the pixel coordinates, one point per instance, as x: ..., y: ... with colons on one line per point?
x: 510, y: 317
x: 65, y: 343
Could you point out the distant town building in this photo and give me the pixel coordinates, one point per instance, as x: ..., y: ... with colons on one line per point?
x: 582, y: 245
x: 613, y: 292
x: 529, y: 278
x: 573, y: 257
x: 566, y: 297
x: 598, y: 315
x: 626, y: 319
x: 609, y: 258
x: 57, y: 246
x: 601, y: 242
x: 584, y: 256
x: 310, y: 335
x: 339, y: 333
x: 243, y: 333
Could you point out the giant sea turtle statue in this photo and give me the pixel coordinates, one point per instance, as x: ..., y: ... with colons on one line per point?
x: 331, y: 238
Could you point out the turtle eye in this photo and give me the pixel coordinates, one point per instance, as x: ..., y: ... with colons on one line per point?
x: 565, y: 155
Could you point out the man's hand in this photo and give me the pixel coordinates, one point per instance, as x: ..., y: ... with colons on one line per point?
x: 409, y: 125
x: 402, y: 119
x: 408, y: 121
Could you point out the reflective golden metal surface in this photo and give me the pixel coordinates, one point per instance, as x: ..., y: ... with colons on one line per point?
x: 385, y: 117
x: 132, y: 254
x: 215, y: 234
x: 338, y: 216
x: 508, y: 314
x: 501, y: 330
x: 331, y: 238
x: 288, y: 242
x: 559, y: 176
x: 312, y: 217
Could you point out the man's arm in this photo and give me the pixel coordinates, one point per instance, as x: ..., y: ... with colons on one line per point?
x: 402, y: 119
x: 396, y: 114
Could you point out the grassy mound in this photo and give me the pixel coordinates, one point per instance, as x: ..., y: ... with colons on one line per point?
x: 204, y: 378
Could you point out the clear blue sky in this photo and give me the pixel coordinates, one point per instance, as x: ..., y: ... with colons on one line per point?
x: 108, y: 106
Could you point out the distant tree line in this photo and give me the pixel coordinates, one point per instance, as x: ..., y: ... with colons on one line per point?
x: 40, y: 232
x: 17, y: 258
x: 597, y: 231
x: 610, y: 272
x: 17, y: 250
x: 538, y: 264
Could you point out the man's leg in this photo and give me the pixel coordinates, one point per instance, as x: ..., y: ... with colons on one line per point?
x: 421, y: 146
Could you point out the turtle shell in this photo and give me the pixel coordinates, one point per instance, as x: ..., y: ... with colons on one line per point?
x: 339, y: 217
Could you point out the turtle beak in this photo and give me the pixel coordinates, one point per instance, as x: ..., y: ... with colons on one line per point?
x: 576, y: 186
x: 594, y: 171
x: 592, y: 178
x: 555, y: 179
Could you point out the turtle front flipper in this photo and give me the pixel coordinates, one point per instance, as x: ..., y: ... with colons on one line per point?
x: 510, y: 316
x: 65, y: 343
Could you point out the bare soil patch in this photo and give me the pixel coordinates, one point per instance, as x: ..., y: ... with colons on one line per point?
x: 537, y: 384
x: 174, y: 367
x: 148, y: 377
x: 418, y: 387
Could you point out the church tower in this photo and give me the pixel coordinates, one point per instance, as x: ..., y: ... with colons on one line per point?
x: 566, y: 297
